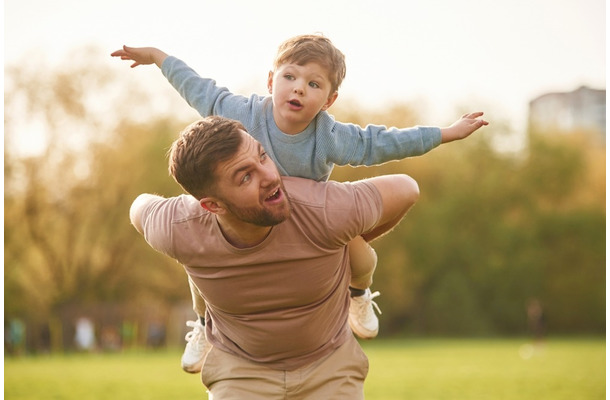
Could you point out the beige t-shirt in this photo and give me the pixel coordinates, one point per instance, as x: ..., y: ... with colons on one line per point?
x: 283, y: 302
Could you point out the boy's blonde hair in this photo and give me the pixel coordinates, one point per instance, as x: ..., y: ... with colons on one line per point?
x: 316, y: 48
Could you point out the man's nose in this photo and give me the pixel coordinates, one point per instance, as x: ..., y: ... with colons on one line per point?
x: 269, y: 175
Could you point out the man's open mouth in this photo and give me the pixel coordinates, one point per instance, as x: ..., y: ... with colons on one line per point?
x: 274, y: 196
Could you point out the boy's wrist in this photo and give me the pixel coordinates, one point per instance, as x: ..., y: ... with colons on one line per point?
x: 446, y: 134
x: 158, y: 57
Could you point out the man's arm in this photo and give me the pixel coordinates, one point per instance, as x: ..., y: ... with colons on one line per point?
x: 137, y: 207
x: 398, y: 194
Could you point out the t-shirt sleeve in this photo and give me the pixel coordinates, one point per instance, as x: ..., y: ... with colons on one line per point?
x: 353, y: 208
x: 336, y: 212
x: 157, y: 219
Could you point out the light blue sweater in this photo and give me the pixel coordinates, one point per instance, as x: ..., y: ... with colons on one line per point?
x: 312, y: 153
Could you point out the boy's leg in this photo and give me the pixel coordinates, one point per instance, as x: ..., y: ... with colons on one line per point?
x: 192, y: 358
x: 363, y: 261
x: 362, y: 318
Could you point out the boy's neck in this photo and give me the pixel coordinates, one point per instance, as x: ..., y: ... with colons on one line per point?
x: 287, y: 127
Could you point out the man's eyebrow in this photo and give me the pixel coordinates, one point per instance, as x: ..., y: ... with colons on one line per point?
x: 247, y: 166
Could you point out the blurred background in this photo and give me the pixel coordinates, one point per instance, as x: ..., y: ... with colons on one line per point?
x: 508, y: 238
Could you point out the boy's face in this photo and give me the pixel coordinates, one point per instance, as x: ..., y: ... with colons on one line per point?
x: 299, y: 93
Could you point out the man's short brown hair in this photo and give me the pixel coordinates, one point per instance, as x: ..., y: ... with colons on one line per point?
x: 201, y: 147
x: 316, y: 48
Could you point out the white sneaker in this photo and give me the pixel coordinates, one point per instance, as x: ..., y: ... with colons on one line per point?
x: 362, y: 318
x: 192, y: 359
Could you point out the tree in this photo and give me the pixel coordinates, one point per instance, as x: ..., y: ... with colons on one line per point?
x: 68, y: 240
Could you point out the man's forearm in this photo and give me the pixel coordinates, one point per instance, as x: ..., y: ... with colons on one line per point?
x: 398, y: 193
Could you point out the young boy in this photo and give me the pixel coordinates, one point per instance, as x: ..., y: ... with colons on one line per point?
x: 304, y: 141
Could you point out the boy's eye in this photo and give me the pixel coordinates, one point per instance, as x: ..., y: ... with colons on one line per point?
x: 314, y: 85
x: 289, y: 77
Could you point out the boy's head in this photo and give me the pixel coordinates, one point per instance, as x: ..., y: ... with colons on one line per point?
x: 201, y: 147
x: 303, y: 49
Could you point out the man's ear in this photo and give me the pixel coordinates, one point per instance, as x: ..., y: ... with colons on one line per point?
x: 211, y: 205
x: 329, y: 102
x: 270, y: 82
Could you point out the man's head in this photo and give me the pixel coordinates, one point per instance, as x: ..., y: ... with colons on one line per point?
x: 304, y: 49
x: 229, y: 172
x: 201, y: 147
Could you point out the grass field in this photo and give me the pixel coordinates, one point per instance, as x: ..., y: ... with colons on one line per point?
x: 418, y: 369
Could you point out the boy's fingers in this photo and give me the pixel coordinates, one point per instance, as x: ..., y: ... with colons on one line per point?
x: 473, y: 115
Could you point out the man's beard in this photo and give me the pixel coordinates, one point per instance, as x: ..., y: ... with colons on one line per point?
x: 260, y: 216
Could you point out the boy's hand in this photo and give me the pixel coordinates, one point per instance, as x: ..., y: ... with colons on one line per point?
x: 463, y: 127
x: 141, y: 55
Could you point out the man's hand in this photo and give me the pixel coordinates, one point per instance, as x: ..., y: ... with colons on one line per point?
x: 141, y: 55
x: 463, y: 127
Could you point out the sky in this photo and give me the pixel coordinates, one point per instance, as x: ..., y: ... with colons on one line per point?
x: 443, y: 55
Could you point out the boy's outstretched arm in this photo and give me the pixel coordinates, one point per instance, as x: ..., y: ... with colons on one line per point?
x: 463, y: 127
x: 141, y: 55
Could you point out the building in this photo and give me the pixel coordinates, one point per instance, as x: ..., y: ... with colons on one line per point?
x: 582, y: 110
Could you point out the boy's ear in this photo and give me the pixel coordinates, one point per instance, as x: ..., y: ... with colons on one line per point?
x: 270, y: 82
x: 329, y: 102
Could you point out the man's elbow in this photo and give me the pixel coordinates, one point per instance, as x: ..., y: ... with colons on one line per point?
x: 409, y: 190
x: 135, y: 212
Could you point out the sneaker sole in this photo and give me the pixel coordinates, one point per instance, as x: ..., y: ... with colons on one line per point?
x: 367, y: 335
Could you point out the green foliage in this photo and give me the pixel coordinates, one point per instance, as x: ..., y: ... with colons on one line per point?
x: 69, y: 245
x: 491, y: 232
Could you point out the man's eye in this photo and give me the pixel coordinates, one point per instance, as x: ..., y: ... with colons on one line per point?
x: 245, y: 178
x: 263, y: 156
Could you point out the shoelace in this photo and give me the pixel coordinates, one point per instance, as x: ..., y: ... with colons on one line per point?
x: 196, y: 334
x: 373, y: 295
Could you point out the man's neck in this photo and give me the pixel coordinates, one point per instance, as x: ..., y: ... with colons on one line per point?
x: 242, y: 234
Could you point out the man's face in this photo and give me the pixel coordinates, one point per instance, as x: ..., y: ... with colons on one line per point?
x: 249, y: 186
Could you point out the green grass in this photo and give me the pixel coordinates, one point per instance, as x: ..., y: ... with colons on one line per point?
x: 486, y: 369
x: 423, y: 369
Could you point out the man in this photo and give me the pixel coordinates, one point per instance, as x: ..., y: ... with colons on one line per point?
x: 268, y: 254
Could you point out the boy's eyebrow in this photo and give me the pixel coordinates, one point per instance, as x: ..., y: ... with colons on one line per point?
x: 324, y: 75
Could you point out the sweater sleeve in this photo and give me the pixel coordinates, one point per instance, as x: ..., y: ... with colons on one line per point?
x: 349, y: 144
x: 203, y: 94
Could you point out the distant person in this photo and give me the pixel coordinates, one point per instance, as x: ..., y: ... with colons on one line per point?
x: 304, y: 141
x: 269, y: 256
x: 84, y: 336
x: 14, y: 336
x: 536, y: 320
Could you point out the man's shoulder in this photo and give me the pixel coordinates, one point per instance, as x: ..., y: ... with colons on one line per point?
x: 322, y: 194
x: 176, y: 209
x: 303, y: 188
